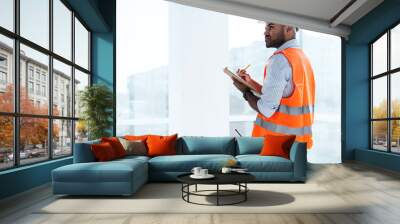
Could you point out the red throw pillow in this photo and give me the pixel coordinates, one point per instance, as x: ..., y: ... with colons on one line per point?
x: 103, y: 152
x: 161, y: 145
x: 277, y: 145
x: 116, y: 145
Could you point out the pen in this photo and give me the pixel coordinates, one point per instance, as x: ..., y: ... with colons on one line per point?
x: 238, y: 132
x: 246, y: 67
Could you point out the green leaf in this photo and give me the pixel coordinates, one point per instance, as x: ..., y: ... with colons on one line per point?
x: 97, y: 103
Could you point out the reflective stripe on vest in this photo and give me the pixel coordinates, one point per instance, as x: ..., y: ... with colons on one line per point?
x: 306, y: 130
x: 296, y: 110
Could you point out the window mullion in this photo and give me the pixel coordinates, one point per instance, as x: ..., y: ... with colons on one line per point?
x: 50, y: 81
x: 370, y: 98
x: 16, y: 70
x: 73, y: 82
x: 389, y: 101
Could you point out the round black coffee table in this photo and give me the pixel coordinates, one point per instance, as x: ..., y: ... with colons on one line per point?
x: 238, y: 179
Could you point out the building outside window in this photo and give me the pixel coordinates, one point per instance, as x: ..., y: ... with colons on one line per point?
x: 55, y: 96
x: 37, y: 75
x: 3, y: 78
x: 3, y: 61
x: 43, y: 90
x: 30, y: 72
x: 38, y: 89
x: 3, y: 72
x: 30, y: 87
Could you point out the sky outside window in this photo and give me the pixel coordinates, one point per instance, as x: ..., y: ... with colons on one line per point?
x: 7, y: 14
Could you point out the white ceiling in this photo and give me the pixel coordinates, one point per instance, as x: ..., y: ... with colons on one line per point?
x: 316, y: 15
x: 321, y: 9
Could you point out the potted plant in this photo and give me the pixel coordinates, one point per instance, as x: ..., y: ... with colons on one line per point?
x: 96, y: 103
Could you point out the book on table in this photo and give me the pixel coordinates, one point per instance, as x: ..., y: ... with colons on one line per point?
x: 242, y: 81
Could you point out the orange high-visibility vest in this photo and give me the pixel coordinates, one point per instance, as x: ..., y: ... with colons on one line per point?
x: 295, y: 114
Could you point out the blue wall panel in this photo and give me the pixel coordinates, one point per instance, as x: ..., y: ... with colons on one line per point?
x: 90, y: 12
x: 24, y: 178
x: 102, y: 58
x: 357, y: 84
x: 103, y: 62
x: 103, y: 52
x: 357, y: 99
x: 376, y: 158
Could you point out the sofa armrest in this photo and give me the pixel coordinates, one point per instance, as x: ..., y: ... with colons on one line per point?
x: 83, y: 152
x: 298, y: 155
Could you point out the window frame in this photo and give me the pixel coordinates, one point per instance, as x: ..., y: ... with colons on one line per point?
x: 16, y: 114
x: 388, y: 74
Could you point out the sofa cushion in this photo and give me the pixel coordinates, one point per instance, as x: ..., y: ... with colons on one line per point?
x: 103, y: 152
x: 134, y: 147
x: 277, y: 145
x: 136, y: 137
x: 185, y: 163
x: 83, y: 152
x: 116, y: 145
x: 132, y: 158
x: 111, y: 171
x: 191, y: 145
x: 249, y: 145
x: 257, y: 163
x: 161, y: 145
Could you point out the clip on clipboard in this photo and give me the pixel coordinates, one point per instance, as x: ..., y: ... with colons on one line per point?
x: 242, y: 81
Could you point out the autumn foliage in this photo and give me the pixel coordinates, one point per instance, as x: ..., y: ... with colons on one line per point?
x: 380, y: 127
x: 33, y: 131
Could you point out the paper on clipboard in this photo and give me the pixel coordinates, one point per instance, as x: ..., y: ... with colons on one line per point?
x: 238, y: 78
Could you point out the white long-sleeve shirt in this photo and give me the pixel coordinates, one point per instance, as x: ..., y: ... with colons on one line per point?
x: 279, y: 81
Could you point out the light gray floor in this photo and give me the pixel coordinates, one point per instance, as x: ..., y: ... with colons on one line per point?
x: 378, y: 188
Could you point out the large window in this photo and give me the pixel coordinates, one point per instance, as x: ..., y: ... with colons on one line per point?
x: 40, y: 80
x: 170, y: 79
x: 385, y: 94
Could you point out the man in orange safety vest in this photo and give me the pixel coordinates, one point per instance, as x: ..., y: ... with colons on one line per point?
x: 286, y: 104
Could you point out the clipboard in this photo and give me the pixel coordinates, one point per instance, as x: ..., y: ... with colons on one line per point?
x: 239, y: 79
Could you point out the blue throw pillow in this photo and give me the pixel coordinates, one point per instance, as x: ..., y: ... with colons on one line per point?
x: 249, y: 145
x: 193, y: 145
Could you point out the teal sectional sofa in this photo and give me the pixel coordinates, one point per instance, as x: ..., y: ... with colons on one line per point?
x: 125, y: 176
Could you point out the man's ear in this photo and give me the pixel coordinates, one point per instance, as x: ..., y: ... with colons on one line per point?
x: 289, y: 29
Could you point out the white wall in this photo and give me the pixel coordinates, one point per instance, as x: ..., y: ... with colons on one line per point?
x: 198, y: 90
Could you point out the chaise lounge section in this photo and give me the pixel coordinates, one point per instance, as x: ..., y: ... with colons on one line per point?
x: 88, y: 177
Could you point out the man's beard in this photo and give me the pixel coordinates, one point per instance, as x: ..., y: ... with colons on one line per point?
x: 276, y: 43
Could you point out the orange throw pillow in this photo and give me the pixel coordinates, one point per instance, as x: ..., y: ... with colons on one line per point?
x: 116, y: 145
x: 103, y: 152
x: 161, y: 145
x: 277, y: 145
x: 136, y: 137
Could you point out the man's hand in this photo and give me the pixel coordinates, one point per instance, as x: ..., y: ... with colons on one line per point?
x: 246, y: 77
x: 252, y: 100
x: 243, y: 74
x: 242, y: 88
